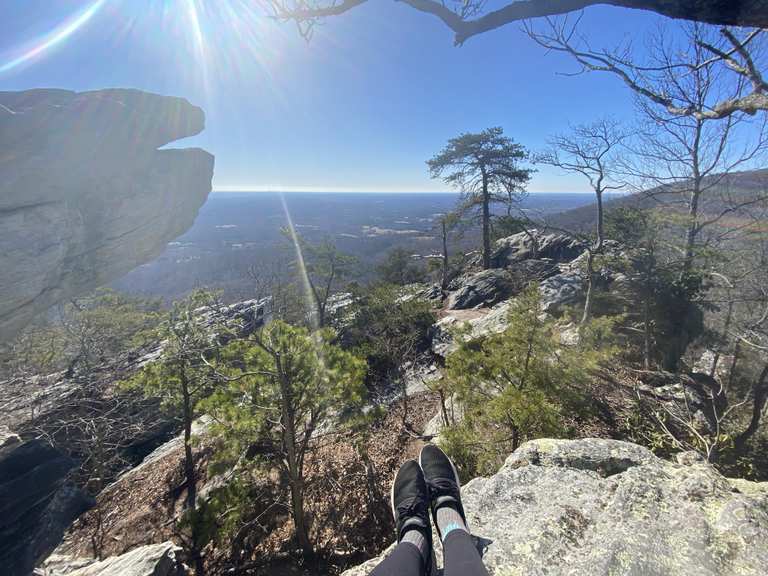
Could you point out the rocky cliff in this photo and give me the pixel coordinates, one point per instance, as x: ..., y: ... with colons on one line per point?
x: 598, y: 507
x: 85, y: 193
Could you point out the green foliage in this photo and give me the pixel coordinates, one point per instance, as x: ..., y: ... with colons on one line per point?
x: 466, y: 157
x: 521, y: 383
x: 324, y: 380
x: 115, y: 321
x: 181, y: 375
x: 282, y: 385
x: 388, y: 330
x: 324, y: 268
x: 660, y: 293
x: 486, y: 168
x: 399, y: 268
x: 86, y: 331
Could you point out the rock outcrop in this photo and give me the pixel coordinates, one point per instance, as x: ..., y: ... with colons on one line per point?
x: 560, y: 290
x: 151, y: 560
x: 36, y: 504
x: 518, y: 247
x: 598, y: 507
x: 484, y: 288
x: 85, y: 193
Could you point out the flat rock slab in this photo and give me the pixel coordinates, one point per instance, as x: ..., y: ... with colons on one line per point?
x: 152, y: 560
x: 596, y: 507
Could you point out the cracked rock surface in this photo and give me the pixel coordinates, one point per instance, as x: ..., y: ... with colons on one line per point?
x: 86, y: 195
x: 603, y: 507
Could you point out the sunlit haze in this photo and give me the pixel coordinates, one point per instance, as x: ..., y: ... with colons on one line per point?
x: 359, y: 107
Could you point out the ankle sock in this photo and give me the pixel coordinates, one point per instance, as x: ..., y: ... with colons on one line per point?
x: 418, y: 539
x: 448, y: 520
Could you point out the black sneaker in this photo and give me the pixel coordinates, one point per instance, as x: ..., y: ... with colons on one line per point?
x: 442, y: 481
x: 410, y: 505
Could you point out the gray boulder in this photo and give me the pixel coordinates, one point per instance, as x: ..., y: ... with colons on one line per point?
x: 85, y: 194
x: 36, y: 504
x: 602, y: 507
x: 152, y: 560
x: 561, y: 290
x: 484, y: 288
x: 519, y: 247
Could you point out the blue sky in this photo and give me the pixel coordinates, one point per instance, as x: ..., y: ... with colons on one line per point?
x: 360, y: 107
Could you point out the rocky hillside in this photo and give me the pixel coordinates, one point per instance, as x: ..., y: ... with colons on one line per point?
x: 86, y: 194
x: 589, y: 506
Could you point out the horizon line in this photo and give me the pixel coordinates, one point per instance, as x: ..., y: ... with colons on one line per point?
x: 333, y: 190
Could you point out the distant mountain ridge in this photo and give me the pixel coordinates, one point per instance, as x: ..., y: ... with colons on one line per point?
x: 739, y: 186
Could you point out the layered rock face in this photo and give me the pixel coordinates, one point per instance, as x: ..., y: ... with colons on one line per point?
x: 85, y: 194
x: 598, y: 507
x: 36, y: 504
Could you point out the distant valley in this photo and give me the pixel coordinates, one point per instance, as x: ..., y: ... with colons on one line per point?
x: 238, y: 232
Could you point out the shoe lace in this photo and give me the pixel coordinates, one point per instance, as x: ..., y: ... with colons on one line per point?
x: 413, y: 506
x: 443, y: 487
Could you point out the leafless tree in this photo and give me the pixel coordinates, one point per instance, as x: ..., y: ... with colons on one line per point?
x: 589, y: 150
x: 689, y: 141
x: 692, y: 96
x: 736, y: 59
x: 98, y: 426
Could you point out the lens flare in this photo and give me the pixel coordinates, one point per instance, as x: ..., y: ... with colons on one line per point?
x: 309, y: 294
x: 193, y: 14
x: 54, y: 37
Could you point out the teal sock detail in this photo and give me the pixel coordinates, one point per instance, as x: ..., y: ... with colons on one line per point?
x: 448, y: 520
x: 450, y: 528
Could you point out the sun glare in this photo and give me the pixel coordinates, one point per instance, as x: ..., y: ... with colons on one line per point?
x: 53, y: 38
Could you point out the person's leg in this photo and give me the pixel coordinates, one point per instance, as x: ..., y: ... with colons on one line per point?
x: 413, y: 554
x: 460, y: 556
x: 405, y: 560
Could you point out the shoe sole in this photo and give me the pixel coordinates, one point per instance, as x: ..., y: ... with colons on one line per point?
x: 392, y: 497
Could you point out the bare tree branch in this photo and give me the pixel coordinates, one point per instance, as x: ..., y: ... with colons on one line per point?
x: 734, y: 13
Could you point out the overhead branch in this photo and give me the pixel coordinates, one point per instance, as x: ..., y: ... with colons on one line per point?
x: 733, y: 13
x: 561, y: 37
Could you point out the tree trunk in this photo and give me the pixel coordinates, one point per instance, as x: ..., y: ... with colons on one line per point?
x: 444, y: 408
x: 444, y: 283
x: 596, y: 249
x: 374, y: 494
x: 486, y: 225
x: 189, y: 461
x: 297, y: 508
x: 293, y: 464
x: 191, y: 476
x: 404, y: 388
x: 590, y: 288
x: 693, y: 206
x: 759, y: 399
x: 647, y: 336
x: 600, y: 224
x: 726, y: 328
x: 690, y: 235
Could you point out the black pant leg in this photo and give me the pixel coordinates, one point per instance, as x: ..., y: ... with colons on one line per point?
x: 460, y: 557
x: 405, y: 560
